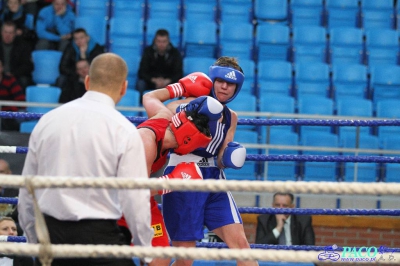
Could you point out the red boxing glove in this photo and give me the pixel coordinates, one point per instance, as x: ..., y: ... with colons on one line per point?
x: 182, y: 171
x: 193, y: 85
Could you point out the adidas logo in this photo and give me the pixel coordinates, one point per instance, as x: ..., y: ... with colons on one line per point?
x: 193, y: 78
x: 231, y: 75
x: 203, y: 162
x: 185, y: 175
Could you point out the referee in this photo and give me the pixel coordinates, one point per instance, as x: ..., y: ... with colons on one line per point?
x: 88, y: 137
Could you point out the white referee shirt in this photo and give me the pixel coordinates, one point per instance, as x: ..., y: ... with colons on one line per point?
x: 87, y: 137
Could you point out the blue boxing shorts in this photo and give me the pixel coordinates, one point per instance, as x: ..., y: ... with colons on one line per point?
x: 185, y: 213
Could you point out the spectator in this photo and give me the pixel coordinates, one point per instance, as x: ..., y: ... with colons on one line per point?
x: 9, y: 228
x: 69, y: 141
x: 82, y: 47
x: 5, y: 170
x: 10, y: 90
x: 54, y: 26
x: 74, y: 86
x: 15, y: 54
x: 161, y: 64
x: 30, y: 6
x: 273, y: 229
x: 14, y: 11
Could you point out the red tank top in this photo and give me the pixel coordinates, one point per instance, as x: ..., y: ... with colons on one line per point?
x: 158, y: 126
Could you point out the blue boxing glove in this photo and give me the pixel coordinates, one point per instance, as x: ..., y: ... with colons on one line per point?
x: 234, y: 156
x: 204, y: 105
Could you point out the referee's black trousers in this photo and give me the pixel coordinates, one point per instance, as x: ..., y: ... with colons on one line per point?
x: 86, y: 232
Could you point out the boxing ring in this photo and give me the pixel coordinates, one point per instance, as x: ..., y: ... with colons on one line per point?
x: 213, y: 251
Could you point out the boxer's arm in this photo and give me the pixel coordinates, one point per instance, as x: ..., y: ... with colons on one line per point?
x: 229, y: 138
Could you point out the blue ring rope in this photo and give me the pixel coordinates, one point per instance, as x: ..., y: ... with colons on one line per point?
x: 241, y: 121
x: 301, y: 158
x: 295, y: 211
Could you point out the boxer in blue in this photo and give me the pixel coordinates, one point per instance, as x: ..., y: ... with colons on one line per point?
x: 185, y: 213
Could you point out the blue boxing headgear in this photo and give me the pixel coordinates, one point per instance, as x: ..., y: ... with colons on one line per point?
x: 228, y: 74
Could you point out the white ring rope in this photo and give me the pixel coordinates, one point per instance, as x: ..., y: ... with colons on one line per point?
x: 352, y: 188
x: 113, y: 251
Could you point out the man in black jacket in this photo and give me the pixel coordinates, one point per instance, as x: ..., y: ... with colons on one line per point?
x: 15, y: 53
x: 81, y: 48
x: 273, y: 229
x: 161, y: 64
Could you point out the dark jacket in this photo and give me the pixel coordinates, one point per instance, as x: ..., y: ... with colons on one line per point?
x: 72, y: 89
x: 71, y: 55
x: 300, y: 226
x: 152, y: 65
x: 21, y: 63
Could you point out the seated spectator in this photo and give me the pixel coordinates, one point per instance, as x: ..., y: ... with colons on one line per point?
x: 161, y: 64
x: 14, y: 11
x: 9, y: 228
x: 54, y: 26
x: 284, y: 229
x: 15, y: 55
x: 10, y: 90
x: 75, y: 86
x: 82, y: 47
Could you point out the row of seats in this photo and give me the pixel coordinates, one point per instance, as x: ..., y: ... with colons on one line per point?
x: 318, y: 171
x: 270, y: 77
x: 331, y: 13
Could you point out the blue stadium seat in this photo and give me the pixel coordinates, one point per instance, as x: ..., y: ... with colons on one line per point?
x: 377, y: 14
x: 382, y: 46
x: 126, y: 33
x: 173, y: 26
x: 248, y: 171
x: 236, y: 39
x: 199, y: 39
x: 275, y: 103
x: 42, y: 94
x: 349, y: 80
x: 197, y: 64
x: 285, y: 171
x: 92, y: 8
x: 392, y: 170
x: 272, y: 42
x: 388, y: 108
x: 315, y: 105
x: 96, y: 27
x: 320, y: 171
x: 133, y: 61
x: 274, y: 76
x: 306, y: 12
x: 275, y: 11
x: 164, y: 9
x: 385, y: 83
x: 366, y: 172
x: 346, y: 45
x: 311, y: 78
x: 354, y: 107
x: 27, y: 126
x: 244, y: 103
x: 342, y: 13
x: 249, y: 70
x: 309, y: 44
x: 128, y: 8
x: 236, y: 10
x: 199, y: 10
x: 46, y: 66
x: 130, y: 99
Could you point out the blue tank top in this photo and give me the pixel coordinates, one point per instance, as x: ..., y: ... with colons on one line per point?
x: 218, y: 132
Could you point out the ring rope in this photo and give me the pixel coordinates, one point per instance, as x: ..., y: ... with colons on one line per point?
x: 220, y: 245
x: 294, y: 211
x: 245, y: 121
x: 352, y: 188
x: 275, y: 158
x: 117, y: 251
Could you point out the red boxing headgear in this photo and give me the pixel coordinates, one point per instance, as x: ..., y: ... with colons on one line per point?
x: 187, y: 135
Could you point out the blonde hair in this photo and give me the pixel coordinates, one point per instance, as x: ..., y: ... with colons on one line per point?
x: 107, y: 72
